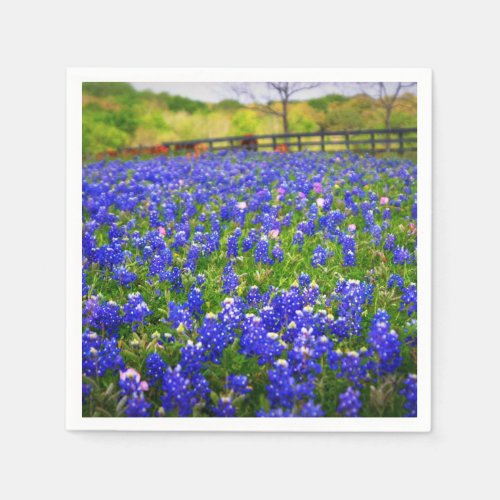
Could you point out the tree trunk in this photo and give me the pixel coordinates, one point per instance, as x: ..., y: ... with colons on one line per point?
x: 388, y: 115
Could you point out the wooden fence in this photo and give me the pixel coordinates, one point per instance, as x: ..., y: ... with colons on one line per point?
x: 373, y: 141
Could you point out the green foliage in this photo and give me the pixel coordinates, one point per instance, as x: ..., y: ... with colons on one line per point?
x: 108, y: 89
x: 301, y: 123
x: 116, y: 115
x: 343, y: 118
x: 98, y: 136
x: 178, y: 103
x: 245, y: 121
x: 322, y: 103
x: 402, y: 120
x: 228, y: 105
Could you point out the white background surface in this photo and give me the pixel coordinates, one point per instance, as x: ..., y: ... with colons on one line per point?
x: 41, y: 460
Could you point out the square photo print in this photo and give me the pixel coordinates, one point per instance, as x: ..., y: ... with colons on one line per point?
x: 242, y: 250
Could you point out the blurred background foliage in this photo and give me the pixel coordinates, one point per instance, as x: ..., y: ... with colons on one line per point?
x: 116, y: 115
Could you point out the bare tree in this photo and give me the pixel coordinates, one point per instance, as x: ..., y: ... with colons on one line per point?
x: 386, y: 93
x: 277, y: 100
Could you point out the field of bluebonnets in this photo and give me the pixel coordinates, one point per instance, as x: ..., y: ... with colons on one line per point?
x: 250, y: 284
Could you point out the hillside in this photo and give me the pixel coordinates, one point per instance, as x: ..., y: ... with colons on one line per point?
x: 116, y: 115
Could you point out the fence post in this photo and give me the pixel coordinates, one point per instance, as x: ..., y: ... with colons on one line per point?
x: 347, y: 143
x: 322, y: 141
x: 274, y: 143
x: 372, y: 137
x: 401, y: 144
x: 299, y: 142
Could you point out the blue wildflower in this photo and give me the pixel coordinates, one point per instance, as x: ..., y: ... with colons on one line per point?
x: 409, y: 391
x: 349, y: 403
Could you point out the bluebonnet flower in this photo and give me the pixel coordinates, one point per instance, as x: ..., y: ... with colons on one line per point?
x: 133, y: 388
x: 124, y: 276
x: 352, y: 295
x: 109, y: 256
x: 238, y: 384
x: 351, y: 366
x: 376, y: 232
x: 270, y: 318
x: 311, y: 410
x: 232, y: 244
x: 281, y: 387
x: 158, y: 266
x: 348, y: 249
x: 390, y: 242
x: 213, y: 337
x: 402, y: 256
x: 195, y: 301
x: 256, y: 341
x: 298, y: 239
x: 304, y: 280
x: 308, y: 348
x: 409, y: 391
x: 103, y: 316
x: 306, y: 227
x: 250, y: 240
x: 311, y: 293
x: 262, y: 251
x: 180, y: 239
x: 192, y: 257
x: 174, y: 277
x: 155, y: 368
x: 99, y: 356
x: 85, y: 287
x: 349, y: 403
x: 176, y: 392
x: 275, y: 413
x: 179, y: 316
x: 192, y: 357
x: 409, y: 299
x: 230, y: 279
x: 289, y: 301
x: 225, y: 407
x: 136, y: 309
x: 254, y: 297
x: 385, y: 343
x: 278, y: 253
x: 396, y: 280
x: 319, y: 256
x: 285, y: 394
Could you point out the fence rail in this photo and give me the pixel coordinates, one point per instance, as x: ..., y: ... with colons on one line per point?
x: 372, y: 141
